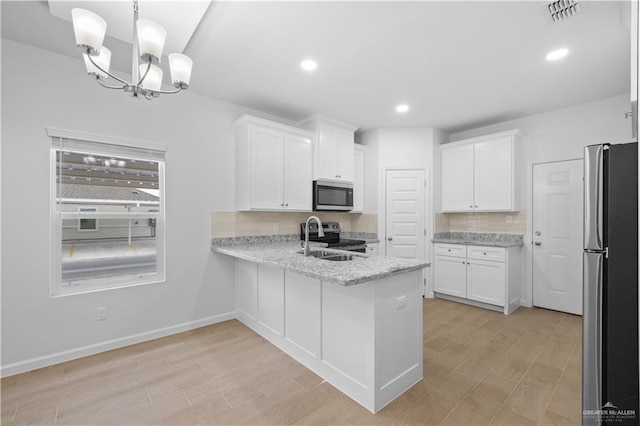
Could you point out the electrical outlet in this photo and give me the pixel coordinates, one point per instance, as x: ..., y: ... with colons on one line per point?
x: 101, y: 313
x: 401, y: 302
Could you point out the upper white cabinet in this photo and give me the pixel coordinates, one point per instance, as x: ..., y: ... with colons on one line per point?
x: 480, y: 174
x: 358, y: 179
x: 273, y: 166
x: 333, y: 148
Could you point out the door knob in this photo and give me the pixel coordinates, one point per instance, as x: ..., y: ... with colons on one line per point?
x: 390, y: 238
x: 538, y: 243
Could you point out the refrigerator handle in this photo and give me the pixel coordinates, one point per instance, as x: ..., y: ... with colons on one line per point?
x: 592, y: 335
x: 593, y: 196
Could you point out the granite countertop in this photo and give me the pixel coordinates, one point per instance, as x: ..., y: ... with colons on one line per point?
x: 288, y: 255
x: 478, y: 239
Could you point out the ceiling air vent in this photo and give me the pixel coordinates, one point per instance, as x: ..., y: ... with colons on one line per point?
x: 559, y: 10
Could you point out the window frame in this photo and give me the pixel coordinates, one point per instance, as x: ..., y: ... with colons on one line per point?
x: 79, y: 227
x: 103, y: 145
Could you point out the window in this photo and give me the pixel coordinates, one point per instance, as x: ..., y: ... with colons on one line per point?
x: 87, y: 224
x: 107, y: 205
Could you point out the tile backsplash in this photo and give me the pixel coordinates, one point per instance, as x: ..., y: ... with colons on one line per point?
x: 243, y: 224
x: 498, y: 223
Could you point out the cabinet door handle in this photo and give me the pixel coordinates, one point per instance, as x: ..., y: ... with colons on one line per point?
x: 282, y: 205
x: 390, y: 238
x: 538, y: 243
x: 286, y: 205
x: 471, y: 206
x: 475, y: 207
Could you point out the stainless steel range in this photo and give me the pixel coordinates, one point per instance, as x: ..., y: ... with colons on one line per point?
x: 332, y: 237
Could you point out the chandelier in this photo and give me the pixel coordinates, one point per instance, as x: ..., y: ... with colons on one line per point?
x: 148, y: 41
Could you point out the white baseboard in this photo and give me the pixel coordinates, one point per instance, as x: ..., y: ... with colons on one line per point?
x: 57, y: 358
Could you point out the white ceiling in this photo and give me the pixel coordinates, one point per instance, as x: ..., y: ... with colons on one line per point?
x: 457, y: 64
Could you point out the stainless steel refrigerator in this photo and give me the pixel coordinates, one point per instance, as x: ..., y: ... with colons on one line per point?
x: 610, y: 305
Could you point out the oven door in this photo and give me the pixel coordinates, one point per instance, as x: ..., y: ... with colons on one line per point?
x: 332, y: 196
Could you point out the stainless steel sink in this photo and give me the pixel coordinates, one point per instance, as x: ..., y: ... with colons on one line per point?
x: 337, y: 257
x: 319, y: 253
x: 328, y: 255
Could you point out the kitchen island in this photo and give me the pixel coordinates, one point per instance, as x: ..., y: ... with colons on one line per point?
x: 356, y: 323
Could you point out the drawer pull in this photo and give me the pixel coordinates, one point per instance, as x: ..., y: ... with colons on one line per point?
x: 485, y: 253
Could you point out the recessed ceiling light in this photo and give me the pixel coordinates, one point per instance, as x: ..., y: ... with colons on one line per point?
x: 309, y: 65
x: 557, y: 54
x: 402, y: 108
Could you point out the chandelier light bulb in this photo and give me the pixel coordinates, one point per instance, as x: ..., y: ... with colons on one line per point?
x: 180, y: 66
x: 151, y: 37
x: 89, y: 30
x: 153, y: 80
x: 103, y: 60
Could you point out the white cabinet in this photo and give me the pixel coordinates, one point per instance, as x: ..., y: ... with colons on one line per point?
x: 486, y: 275
x: 333, y: 148
x: 450, y: 275
x: 273, y: 166
x: 480, y: 174
x: 358, y: 179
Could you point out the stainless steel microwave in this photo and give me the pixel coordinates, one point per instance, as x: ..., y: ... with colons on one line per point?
x: 332, y: 196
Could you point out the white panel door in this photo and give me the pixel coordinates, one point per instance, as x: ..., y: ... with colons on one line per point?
x: 457, y: 178
x: 493, y: 172
x: 298, y: 181
x: 557, y: 236
x: 267, y: 168
x: 405, y: 213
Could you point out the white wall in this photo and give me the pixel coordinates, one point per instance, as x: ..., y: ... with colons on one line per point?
x: 41, y: 89
x: 555, y: 136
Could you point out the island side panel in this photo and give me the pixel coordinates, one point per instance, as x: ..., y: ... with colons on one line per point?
x: 348, y: 339
x: 246, y: 290
x: 398, y: 335
x: 302, y: 312
x: 271, y: 298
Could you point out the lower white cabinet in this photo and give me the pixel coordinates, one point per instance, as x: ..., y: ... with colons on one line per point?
x: 480, y: 275
x: 450, y: 275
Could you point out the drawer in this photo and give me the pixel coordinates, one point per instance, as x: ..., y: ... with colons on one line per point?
x: 455, y: 250
x: 497, y: 254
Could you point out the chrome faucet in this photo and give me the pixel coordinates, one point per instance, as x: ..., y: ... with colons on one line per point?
x: 306, y: 233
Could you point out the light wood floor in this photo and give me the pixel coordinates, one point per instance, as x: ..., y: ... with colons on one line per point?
x: 481, y: 367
